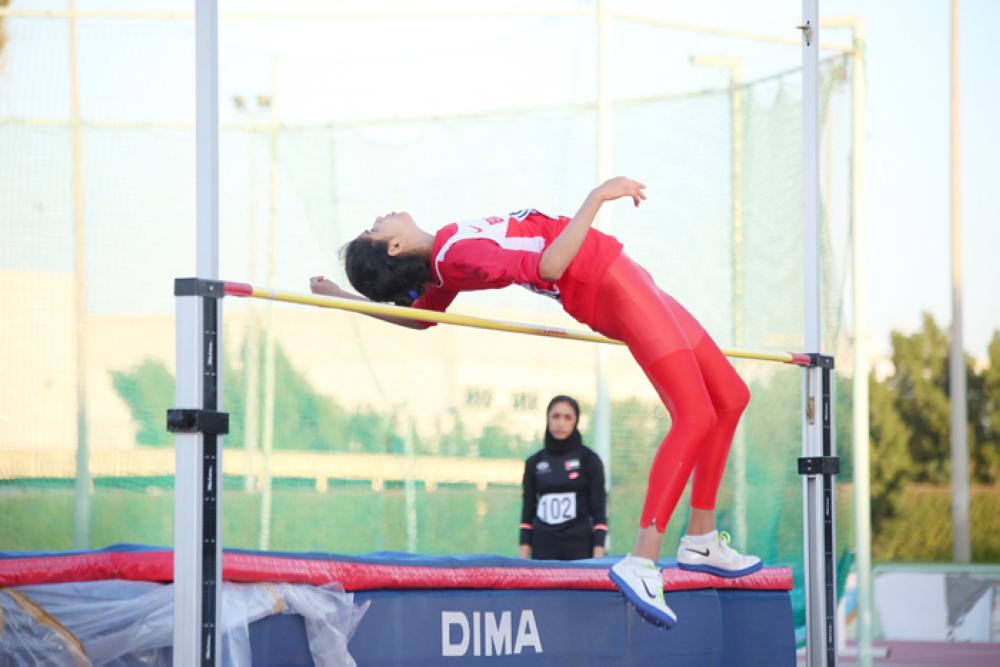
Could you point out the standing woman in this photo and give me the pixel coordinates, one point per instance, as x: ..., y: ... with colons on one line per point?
x: 563, y: 513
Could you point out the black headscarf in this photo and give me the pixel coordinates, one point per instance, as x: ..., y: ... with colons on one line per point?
x: 554, y: 445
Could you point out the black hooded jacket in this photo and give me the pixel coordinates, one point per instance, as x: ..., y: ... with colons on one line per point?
x: 563, y: 492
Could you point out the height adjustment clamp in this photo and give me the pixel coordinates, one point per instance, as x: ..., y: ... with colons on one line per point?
x: 819, y: 465
x: 185, y: 420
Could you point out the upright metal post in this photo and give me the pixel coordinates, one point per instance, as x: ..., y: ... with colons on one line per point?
x: 270, y: 343
x: 602, y: 410
x: 817, y: 464
x: 410, y: 482
x: 859, y: 390
x: 197, y: 421
x: 197, y: 424
x: 860, y: 427
x: 251, y: 364
x: 739, y: 444
x: 81, y: 505
x: 961, y: 541
x: 734, y: 66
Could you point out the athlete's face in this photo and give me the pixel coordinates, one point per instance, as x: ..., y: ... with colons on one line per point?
x: 393, y: 228
x: 562, y: 420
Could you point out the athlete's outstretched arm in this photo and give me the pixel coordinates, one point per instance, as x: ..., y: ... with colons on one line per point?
x: 326, y: 287
x: 563, y: 249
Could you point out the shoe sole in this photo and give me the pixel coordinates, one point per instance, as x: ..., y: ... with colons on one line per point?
x: 722, y: 572
x: 653, y: 617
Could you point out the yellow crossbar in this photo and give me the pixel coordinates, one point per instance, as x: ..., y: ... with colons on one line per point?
x: 421, y: 315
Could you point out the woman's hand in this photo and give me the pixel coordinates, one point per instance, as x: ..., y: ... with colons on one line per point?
x: 564, y: 248
x: 618, y: 187
x: 599, y: 552
x: 524, y: 550
x: 324, y: 286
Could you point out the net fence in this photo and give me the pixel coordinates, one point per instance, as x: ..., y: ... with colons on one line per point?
x: 348, y: 435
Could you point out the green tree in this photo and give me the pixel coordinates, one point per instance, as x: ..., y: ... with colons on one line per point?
x: 148, y: 390
x: 303, y: 418
x: 367, y: 430
x: 919, y: 388
x: 455, y: 441
x: 843, y: 422
x: 890, y: 462
x: 921, y: 395
x: 986, y: 453
x: 910, y: 419
x: 497, y: 442
x: 637, y: 428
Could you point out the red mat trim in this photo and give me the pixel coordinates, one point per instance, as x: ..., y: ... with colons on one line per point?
x: 244, y: 567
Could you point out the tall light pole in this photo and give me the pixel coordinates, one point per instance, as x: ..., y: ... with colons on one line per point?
x: 602, y: 409
x: 961, y: 542
x: 251, y: 365
x: 81, y: 518
x: 267, y: 442
x: 860, y: 427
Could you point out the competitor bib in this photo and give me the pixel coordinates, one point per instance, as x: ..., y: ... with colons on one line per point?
x: 557, y: 508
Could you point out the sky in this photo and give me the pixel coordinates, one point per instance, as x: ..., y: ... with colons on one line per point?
x: 906, y: 200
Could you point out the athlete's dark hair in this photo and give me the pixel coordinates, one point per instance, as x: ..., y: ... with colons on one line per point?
x: 564, y: 399
x: 381, y: 277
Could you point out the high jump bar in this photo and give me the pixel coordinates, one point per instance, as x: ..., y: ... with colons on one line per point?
x: 421, y: 315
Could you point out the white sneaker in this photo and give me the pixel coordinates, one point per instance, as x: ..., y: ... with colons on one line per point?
x: 642, y: 584
x: 715, y: 556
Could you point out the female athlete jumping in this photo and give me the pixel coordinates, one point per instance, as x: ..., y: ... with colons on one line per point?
x: 586, y: 270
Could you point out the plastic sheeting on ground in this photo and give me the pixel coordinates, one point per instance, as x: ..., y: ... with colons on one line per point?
x: 120, y: 623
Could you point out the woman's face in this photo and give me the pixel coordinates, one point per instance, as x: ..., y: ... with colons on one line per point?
x: 389, y: 226
x: 562, y: 420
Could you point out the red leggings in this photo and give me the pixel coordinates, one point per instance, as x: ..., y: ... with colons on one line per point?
x: 699, y: 387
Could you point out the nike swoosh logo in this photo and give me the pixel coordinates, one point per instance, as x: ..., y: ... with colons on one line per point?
x: 696, y: 551
x: 651, y: 594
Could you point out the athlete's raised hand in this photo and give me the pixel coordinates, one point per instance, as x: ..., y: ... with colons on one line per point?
x: 621, y: 186
x: 324, y: 286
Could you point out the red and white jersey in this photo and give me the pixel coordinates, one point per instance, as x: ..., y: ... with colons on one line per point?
x: 494, y: 252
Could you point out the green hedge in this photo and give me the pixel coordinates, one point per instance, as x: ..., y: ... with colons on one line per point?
x: 352, y: 518
x: 921, y: 528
